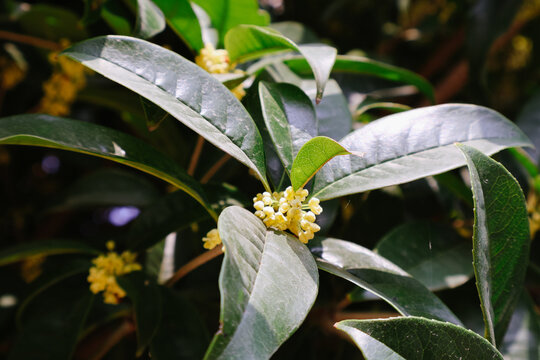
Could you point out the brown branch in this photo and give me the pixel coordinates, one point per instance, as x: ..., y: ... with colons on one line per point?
x: 30, y: 40
x: 97, y: 348
x: 215, y: 168
x: 195, y: 263
x: 195, y: 156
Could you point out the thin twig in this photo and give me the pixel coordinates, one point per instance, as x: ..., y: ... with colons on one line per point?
x: 195, y: 156
x: 343, y: 303
x: 215, y: 168
x: 195, y: 263
x: 30, y: 40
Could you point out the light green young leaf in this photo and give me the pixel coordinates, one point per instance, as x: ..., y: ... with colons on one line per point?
x: 381, y: 277
x: 500, y: 240
x: 248, y: 42
x: 150, y: 19
x: 92, y: 139
x: 312, y: 157
x: 410, y: 145
x: 268, y: 283
x: 182, y: 19
x: 416, y: 338
x: 181, y: 88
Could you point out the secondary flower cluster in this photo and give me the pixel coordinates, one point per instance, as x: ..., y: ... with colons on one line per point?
x: 285, y: 211
x: 216, y: 61
x: 106, y: 268
x: 211, y: 240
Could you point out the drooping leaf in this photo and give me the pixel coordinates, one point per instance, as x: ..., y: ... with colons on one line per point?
x: 44, y: 247
x: 181, y: 88
x: 500, y: 240
x: 226, y: 14
x: 268, y: 283
x: 289, y: 117
x: 362, y: 65
x: 413, y: 144
x: 434, y: 255
x: 106, y: 187
x: 147, y: 307
x: 374, y: 273
x: 182, y: 19
x: 522, y: 340
x: 87, y: 138
x: 248, y: 42
x: 150, y: 19
x: 182, y: 333
x: 416, y: 338
x: 311, y: 158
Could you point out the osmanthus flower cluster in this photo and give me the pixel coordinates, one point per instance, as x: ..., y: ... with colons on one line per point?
x: 285, y: 211
x: 216, y: 61
x: 106, y: 268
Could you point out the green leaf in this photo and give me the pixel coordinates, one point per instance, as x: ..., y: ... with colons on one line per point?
x: 91, y: 139
x: 295, y: 31
x: 434, y: 255
x: 150, y: 19
x: 248, y: 42
x: 410, y: 145
x: 154, y: 114
x: 528, y: 120
x: 182, y: 19
x: 182, y: 334
x: 181, y: 88
x: 389, y: 106
x: 52, y: 23
x: 106, y: 187
x: 289, y: 117
x: 312, y: 157
x: 146, y: 298
x: 522, y: 340
x: 44, y: 247
x: 226, y: 14
x: 361, y: 65
x: 116, y: 16
x: 500, y: 240
x: 374, y: 273
x: 415, y: 338
x: 268, y: 283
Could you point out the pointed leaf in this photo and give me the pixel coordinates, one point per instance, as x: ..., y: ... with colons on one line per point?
x: 44, y: 247
x: 434, y: 255
x: 268, y: 283
x: 500, y: 240
x: 150, y: 19
x: 311, y: 158
x: 413, y: 144
x: 181, y: 88
x: 415, y: 338
x: 182, y: 19
x: 91, y: 139
x: 374, y: 273
x: 248, y: 42
x: 289, y: 117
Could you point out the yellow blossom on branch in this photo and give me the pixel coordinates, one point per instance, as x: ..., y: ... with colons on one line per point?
x: 212, y: 239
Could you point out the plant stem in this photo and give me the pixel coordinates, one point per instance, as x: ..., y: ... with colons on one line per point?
x: 215, y: 168
x: 124, y: 329
x: 30, y: 40
x: 195, y: 263
x: 195, y: 156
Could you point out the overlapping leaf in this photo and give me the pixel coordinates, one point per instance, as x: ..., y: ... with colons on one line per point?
x: 150, y: 19
x: 182, y: 19
x: 410, y: 145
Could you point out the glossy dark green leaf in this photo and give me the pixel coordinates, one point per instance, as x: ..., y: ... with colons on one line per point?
x: 182, y: 19
x: 433, y: 254
x: 268, y: 283
x: 374, y: 273
x: 117, y: 17
x: 182, y: 334
x: 413, y: 144
x: 226, y: 14
x: 415, y: 338
x: 311, y: 158
x: 289, y: 117
x: 500, y: 240
x: 528, y: 120
x: 51, y: 22
x: 150, y: 19
x: 147, y: 306
x: 44, y: 247
x: 179, y: 87
x: 54, y: 333
x: 88, y: 138
x: 248, y: 42
x: 106, y: 187
x: 362, y: 65
x: 522, y: 340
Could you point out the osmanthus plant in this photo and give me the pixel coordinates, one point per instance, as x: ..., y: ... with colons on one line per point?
x: 293, y: 133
